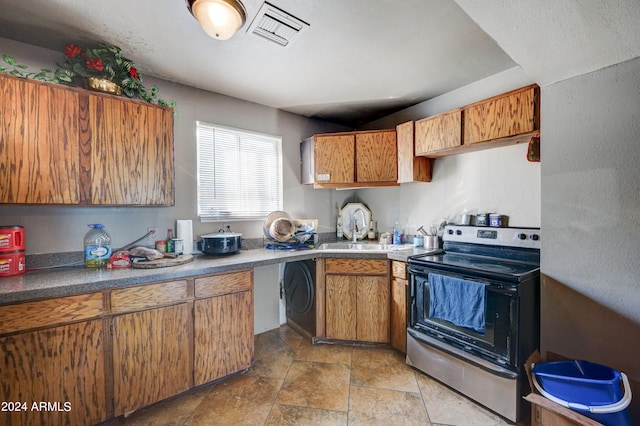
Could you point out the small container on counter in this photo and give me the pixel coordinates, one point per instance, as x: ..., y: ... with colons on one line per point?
x: 12, y: 263
x: 482, y: 219
x: 161, y: 245
x: 432, y: 242
x: 11, y: 238
x: 169, y: 241
x: 385, y: 238
x: 497, y: 220
x: 418, y: 240
x: 119, y: 259
x: 178, y: 246
x: 97, y: 247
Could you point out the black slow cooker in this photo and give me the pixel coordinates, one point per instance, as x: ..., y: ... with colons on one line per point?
x: 220, y: 243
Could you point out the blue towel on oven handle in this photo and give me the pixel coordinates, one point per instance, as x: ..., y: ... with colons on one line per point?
x: 458, y: 301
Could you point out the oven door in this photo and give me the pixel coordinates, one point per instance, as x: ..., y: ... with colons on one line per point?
x: 496, y: 342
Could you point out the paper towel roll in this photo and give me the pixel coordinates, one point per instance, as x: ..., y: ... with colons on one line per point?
x: 184, y: 231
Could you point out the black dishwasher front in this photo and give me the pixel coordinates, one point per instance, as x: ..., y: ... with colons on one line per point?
x: 300, y: 295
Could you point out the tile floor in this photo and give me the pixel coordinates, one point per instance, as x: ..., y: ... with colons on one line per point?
x: 293, y: 382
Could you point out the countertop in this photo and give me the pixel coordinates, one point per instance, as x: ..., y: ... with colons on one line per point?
x: 57, y: 282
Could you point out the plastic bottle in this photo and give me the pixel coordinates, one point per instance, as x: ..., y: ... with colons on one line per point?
x: 170, y: 246
x: 339, y: 225
x: 396, y: 239
x: 97, y: 247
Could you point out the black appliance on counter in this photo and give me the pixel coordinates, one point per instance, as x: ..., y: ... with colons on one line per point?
x: 474, y: 313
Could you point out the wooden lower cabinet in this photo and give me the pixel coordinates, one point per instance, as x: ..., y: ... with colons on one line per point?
x: 357, y: 305
x: 399, y: 284
x: 223, y: 326
x: 372, y: 309
x: 150, y: 356
x: 62, y: 367
x: 92, y: 357
x: 341, y: 308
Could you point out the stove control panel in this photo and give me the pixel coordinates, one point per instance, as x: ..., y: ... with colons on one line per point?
x: 512, y: 237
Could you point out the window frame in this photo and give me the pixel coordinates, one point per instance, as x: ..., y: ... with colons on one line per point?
x: 244, y: 214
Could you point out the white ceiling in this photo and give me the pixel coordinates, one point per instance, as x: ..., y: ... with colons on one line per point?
x: 358, y: 60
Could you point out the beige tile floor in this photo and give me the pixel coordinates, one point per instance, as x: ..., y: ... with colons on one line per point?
x: 293, y: 382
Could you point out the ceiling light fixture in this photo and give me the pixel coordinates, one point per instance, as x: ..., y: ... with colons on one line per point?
x: 220, y: 19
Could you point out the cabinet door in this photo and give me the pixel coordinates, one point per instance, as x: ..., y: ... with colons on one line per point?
x: 502, y: 116
x: 399, y: 314
x: 223, y: 336
x: 334, y: 158
x: 376, y: 157
x: 410, y: 167
x: 340, y: 302
x: 151, y: 356
x: 438, y: 133
x: 372, y: 309
x: 63, y: 366
x: 131, y: 153
x: 40, y: 136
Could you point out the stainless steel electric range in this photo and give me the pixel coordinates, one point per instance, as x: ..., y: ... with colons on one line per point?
x: 474, y: 313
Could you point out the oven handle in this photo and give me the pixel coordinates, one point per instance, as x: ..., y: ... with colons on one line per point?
x: 416, y: 270
x: 507, y: 289
x: 455, y: 352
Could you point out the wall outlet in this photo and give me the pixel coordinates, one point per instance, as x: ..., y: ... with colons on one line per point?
x: 151, y: 238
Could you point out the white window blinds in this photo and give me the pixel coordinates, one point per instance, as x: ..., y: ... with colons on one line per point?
x: 239, y: 173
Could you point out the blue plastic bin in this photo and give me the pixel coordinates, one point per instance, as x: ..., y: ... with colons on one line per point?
x: 593, y: 390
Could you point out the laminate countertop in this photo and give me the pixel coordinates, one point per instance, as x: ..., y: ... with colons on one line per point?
x: 57, y: 282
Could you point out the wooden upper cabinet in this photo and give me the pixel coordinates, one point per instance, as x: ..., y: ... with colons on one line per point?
x: 502, y: 116
x: 439, y: 133
x: 62, y: 145
x: 376, y: 156
x: 131, y: 162
x: 350, y: 160
x: 39, y: 150
x: 410, y: 167
x: 334, y: 158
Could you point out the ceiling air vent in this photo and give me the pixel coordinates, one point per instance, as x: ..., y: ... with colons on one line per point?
x: 276, y: 25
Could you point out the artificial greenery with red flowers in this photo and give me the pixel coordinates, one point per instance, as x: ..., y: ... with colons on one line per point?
x: 107, y: 61
x: 100, y: 60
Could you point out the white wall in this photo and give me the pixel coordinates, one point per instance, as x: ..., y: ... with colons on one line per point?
x: 51, y: 229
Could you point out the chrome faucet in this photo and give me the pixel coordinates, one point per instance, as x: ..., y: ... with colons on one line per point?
x: 354, y: 223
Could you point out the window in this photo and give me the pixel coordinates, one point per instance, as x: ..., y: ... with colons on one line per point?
x: 239, y: 173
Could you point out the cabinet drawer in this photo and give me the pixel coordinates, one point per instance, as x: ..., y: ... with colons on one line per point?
x: 356, y: 266
x: 216, y: 285
x: 50, y: 312
x: 147, y: 296
x: 399, y: 269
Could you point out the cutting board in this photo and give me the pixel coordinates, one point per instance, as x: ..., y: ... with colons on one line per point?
x: 165, y: 262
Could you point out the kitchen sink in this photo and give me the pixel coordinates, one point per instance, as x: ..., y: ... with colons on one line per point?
x: 350, y: 246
